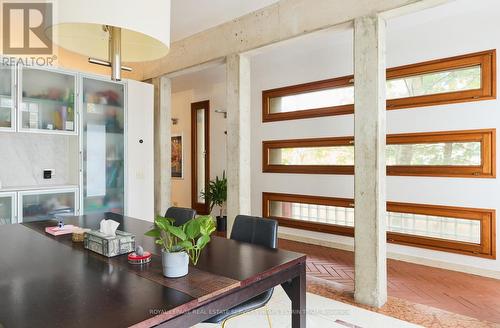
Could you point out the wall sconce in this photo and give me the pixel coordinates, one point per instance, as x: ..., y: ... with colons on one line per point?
x: 175, y: 121
x: 221, y: 111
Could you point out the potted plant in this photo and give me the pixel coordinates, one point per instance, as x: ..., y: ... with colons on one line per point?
x: 216, y: 195
x: 181, y: 244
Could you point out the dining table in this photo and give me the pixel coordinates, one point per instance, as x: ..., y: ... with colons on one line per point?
x: 51, y: 281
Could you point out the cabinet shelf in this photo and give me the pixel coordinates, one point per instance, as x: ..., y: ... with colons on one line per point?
x: 48, y: 102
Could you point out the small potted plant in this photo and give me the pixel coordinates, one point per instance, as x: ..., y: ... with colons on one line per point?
x: 216, y: 195
x: 181, y: 244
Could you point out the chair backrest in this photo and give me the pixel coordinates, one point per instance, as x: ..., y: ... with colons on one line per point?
x: 180, y: 215
x: 255, y: 230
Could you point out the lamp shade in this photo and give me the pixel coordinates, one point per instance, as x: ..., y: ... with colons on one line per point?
x: 78, y: 27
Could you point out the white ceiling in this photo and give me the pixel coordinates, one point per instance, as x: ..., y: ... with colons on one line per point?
x: 192, y: 16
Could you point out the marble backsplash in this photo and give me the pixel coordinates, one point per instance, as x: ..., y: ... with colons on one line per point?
x: 24, y: 156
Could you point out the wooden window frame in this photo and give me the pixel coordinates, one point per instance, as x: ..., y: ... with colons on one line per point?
x: 487, y: 60
x: 487, y: 169
x: 340, y: 82
x: 487, y: 218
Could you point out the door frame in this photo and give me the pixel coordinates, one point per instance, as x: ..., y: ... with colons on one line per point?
x: 201, y: 208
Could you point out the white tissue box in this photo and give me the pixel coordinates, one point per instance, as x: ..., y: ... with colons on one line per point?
x: 122, y: 243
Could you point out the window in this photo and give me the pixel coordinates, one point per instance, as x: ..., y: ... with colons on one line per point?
x: 455, y: 154
x: 323, y: 214
x: 316, y: 99
x: 455, y: 229
x: 456, y: 79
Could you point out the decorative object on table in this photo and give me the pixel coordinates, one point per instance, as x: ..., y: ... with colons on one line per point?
x: 139, y: 256
x: 59, y: 231
x: 109, y: 241
x: 216, y: 195
x: 180, y: 244
x: 78, y: 235
x: 177, y: 158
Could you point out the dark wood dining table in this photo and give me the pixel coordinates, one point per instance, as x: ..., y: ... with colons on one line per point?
x: 48, y: 281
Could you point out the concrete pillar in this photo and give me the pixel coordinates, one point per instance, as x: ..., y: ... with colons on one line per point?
x: 370, y: 166
x: 238, y: 136
x: 163, y: 132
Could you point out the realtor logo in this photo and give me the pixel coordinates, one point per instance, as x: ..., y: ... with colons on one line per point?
x: 24, y: 28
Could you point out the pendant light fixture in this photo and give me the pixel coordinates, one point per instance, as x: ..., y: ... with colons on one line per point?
x: 110, y: 32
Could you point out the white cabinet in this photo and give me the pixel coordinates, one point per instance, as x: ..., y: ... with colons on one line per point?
x: 103, y: 146
x: 47, y: 101
x: 112, y: 125
x: 40, y: 205
x: 7, y: 96
x: 8, y: 202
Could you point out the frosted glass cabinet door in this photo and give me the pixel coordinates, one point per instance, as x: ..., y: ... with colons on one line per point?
x: 103, y: 124
x: 46, y: 204
x: 7, y: 116
x: 7, y: 208
x: 47, y: 101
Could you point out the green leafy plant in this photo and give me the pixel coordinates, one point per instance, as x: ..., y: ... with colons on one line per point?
x: 191, y: 237
x: 216, y: 193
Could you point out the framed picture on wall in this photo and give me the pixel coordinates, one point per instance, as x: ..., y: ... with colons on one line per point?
x: 177, y: 160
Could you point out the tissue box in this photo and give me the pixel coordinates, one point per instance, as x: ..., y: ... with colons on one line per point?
x: 109, y: 246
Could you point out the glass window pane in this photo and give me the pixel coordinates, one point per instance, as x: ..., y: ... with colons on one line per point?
x: 48, y: 100
x: 6, y: 210
x: 6, y: 103
x: 435, y: 226
x: 200, y: 153
x: 103, y: 146
x: 337, y: 155
x: 343, y: 216
x: 449, y: 153
x: 434, y: 83
x: 412, y: 154
x: 311, y: 100
x: 39, y: 207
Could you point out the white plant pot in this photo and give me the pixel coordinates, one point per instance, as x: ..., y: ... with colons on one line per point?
x: 175, y: 265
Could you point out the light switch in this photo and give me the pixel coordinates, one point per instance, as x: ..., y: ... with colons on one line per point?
x: 48, y: 173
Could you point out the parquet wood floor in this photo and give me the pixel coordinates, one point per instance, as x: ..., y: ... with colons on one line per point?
x: 461, y: 293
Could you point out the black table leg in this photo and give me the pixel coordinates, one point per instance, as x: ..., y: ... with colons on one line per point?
x: 296, y: 291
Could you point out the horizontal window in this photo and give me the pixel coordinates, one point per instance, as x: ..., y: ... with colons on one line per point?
x: 434, y: 226
x: 463, y: 230
x: 460, y: 79
x: 455, y: 154
x: 456, y: 79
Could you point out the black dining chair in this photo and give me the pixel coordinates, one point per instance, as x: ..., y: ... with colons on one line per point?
x: 181, y: 215
x: 258, y: 231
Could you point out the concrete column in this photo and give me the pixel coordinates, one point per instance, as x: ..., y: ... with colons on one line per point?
x: 238, y: 136
x: 370, y: 166
x: 163, y: 132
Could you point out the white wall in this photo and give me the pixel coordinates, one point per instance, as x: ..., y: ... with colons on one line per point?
x: 140, y: 156
x: 206, y: 85
x: 457, y: 28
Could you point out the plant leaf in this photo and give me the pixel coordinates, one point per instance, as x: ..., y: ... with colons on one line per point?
x: 163, y: 223
x: 202, y: 241
x: 177, y: 232
x: 186, y: 244
x: 207, y: 225
x: 155, y: 233
x: 193, y: 228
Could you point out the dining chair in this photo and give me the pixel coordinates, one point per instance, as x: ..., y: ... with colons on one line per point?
x: 258, y: 231
x: 180, y: 214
